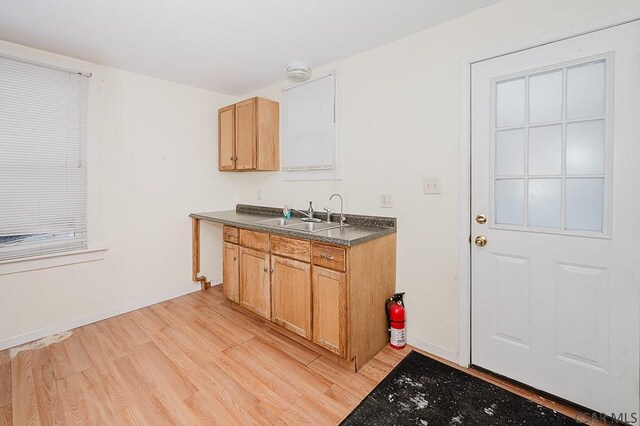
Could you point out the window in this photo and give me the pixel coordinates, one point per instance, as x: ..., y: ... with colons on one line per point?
x: 310, y: 148
x: 43, y: 159
x: 550, y: 166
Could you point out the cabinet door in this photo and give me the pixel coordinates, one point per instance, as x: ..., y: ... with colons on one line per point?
x: 246, y: 135
x: 255, y: 288
x: 226, y: 138
x: 329, y: 309
x: 291, y: 295
x: 231, y: 272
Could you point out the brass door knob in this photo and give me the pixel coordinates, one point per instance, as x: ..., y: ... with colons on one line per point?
x: 481, y: 219
x: 481, y: 241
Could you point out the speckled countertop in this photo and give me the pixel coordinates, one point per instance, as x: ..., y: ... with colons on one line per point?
x: 358, y: 230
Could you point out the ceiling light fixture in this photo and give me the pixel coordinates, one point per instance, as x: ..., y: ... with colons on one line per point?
x: 298, y: 72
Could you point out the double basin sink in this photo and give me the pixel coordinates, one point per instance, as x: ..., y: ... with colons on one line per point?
x: 299, y: 225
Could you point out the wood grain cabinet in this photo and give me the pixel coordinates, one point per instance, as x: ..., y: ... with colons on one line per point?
x: 328, y: 298
x: 329, y: 309
x: 255, y: 282
x: 248, y: 136
x: 291, y: 295
x: 231, y: 272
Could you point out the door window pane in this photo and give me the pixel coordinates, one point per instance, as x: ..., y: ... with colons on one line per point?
x: 584, y: 204
x: 585, y: 147
x: 545, y: 97
x: 550, y: 148
x: 510, y: 152
x: 545, y: 204
x: 545, y: 150
x: 586, y: 91
x: 510, y: 103
x: 509, y: 194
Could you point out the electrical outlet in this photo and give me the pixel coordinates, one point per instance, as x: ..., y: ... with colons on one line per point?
x: 431, y: 185
x: 386, y: 201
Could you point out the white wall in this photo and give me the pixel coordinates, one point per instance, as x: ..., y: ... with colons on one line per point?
x: 159, y: 163
x: 400, y: 112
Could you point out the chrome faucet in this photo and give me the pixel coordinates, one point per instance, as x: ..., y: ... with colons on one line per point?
x: 326, y: 209
x: 342, y: 218
x: 308, y: 214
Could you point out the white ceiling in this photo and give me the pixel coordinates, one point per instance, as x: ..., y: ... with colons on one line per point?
x: 230, y: 46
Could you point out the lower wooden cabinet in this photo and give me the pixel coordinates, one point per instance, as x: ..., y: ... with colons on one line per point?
x: 255, y: 283
x: 291, y: 295
x: 329, y: 290
x: 330, y: 297
x: 231, y: 272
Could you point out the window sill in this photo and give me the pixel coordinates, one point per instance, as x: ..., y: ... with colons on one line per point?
x: 52, y: 260
x: 310, y: 175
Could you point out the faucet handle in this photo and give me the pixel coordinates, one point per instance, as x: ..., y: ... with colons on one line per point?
x: 326, y: 209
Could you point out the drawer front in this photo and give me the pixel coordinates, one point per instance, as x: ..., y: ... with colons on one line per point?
x: 254, y: 240
x: 231, y: 234
x: 289, y: 247
x: 329, y: 257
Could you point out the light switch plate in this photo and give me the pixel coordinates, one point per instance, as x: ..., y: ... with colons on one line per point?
x: 431, y: 185
x: 386, y: 201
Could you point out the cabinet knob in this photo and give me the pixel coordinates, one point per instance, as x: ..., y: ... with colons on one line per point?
x: 235, y: 258
x: 272, y: 271
x: 266, y: 269
x: 231, y: 158
x: 325, y: 256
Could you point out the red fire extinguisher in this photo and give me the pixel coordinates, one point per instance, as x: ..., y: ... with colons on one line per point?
x: 395, y: 316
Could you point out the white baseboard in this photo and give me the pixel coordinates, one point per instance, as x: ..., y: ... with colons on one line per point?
x: 434, y: 349
x: 99, y: 316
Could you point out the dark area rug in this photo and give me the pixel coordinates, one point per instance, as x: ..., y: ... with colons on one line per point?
x: 423, y: 391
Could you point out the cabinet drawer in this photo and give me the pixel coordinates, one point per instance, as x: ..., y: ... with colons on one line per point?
x: 289, y: 247
x: 254, y: 240
x: 329, y: 256
x: 230, y: 234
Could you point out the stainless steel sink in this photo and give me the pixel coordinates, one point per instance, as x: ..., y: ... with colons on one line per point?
x: 278, y: 221
x: 313, y: 226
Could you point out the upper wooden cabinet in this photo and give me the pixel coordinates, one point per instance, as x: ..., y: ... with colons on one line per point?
x: 248, y: 136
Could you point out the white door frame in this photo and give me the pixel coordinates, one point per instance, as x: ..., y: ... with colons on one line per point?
x: 464, y: 270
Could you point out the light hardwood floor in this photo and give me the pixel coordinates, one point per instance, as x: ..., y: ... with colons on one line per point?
x: 190, y: 360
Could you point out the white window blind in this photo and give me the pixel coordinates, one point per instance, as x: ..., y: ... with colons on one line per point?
x: 43, y: 138
x: 310, y: 126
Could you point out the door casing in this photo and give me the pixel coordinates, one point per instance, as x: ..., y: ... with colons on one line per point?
x: 464, y: 270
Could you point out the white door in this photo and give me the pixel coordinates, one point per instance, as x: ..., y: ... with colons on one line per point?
x: 555, y: 171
